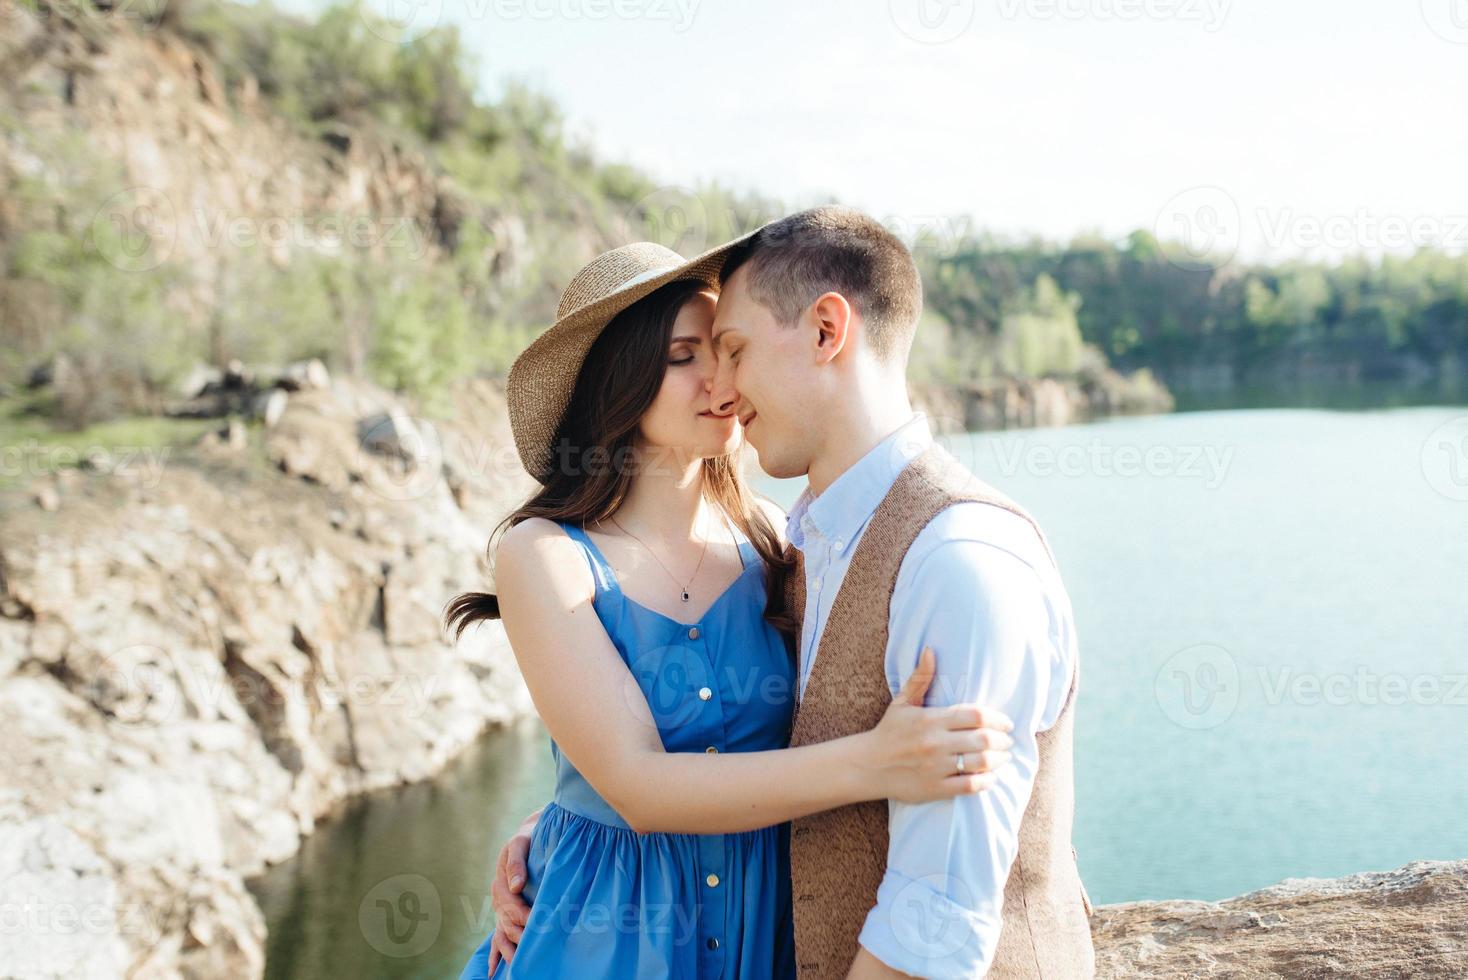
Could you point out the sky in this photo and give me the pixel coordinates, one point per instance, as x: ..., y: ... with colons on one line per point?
x: 1262, y: 129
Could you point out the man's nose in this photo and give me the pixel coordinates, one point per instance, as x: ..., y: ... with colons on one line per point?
x: 722, y: 395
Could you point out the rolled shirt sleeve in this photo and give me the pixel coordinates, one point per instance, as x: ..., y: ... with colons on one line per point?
x: 977, y: 588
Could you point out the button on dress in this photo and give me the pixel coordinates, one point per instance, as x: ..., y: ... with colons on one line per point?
x: 607, y: 902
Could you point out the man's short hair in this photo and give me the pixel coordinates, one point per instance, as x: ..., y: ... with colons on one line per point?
x: 795, y: 260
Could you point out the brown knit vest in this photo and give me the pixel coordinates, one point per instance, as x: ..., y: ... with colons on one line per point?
x: 838, y: 857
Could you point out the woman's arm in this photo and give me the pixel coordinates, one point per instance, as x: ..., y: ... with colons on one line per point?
x: 598, y: 716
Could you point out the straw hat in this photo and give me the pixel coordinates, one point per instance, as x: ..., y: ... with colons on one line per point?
x: 544, y: 375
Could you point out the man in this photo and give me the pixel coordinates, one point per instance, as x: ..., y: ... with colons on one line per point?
x: 898, y: 548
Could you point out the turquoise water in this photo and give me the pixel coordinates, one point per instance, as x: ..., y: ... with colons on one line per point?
x: 1273, y: 616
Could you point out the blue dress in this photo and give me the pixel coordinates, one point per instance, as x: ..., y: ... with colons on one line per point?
x: 607, y: 902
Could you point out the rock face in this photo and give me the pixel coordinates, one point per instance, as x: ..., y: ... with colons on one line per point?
x: 1007, y: 403
x: 203, y: 652
x: 1409, y: 922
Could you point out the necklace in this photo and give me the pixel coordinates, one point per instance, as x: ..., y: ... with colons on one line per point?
x: 683, y: 586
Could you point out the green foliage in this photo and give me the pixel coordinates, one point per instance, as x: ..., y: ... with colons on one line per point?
x: 73, y: 282
x: 523, y: 206
x: 421, y: 336
x: 1039, y: 334
x: 1367, y: 319
x: 272, y: 315
x: 348, y: 63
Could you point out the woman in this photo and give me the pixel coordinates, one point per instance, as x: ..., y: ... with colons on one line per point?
x: 641, y: 589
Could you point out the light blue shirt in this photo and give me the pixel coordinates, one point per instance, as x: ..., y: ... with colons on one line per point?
x: 978, y: 587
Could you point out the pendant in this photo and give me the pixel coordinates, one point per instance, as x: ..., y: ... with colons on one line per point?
x: 685, y: 596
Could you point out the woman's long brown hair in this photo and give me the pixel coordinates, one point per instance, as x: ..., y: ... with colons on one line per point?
x: 594, y: 448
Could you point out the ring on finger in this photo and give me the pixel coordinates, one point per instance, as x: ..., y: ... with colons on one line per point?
x: 959, y: 761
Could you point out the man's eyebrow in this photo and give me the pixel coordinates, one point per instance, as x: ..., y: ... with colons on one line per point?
x: 719, y: 337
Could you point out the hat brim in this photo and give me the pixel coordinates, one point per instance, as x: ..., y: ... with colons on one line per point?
x: 541, y: 380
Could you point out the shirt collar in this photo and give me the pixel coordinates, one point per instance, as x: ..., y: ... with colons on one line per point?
x: 843, y: 509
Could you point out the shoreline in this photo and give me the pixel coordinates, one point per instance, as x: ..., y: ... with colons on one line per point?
x: 154, y: 642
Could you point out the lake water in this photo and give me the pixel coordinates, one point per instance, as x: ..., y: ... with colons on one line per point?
x: 1272, y: 608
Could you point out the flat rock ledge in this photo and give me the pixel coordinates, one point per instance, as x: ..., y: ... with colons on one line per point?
x: 1408, y: 922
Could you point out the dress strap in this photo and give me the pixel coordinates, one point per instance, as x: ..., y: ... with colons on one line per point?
x: 601, y: 569
x: 606, y: 579
x: 747, y: 553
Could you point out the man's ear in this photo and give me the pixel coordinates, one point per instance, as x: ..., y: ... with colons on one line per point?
x: 834, y: 321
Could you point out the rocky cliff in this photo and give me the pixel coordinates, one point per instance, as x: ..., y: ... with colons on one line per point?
x: 203, y: 650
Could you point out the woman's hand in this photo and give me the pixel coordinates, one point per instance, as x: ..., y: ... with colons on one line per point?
x: 912, y: 753
x: 510, y: 910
